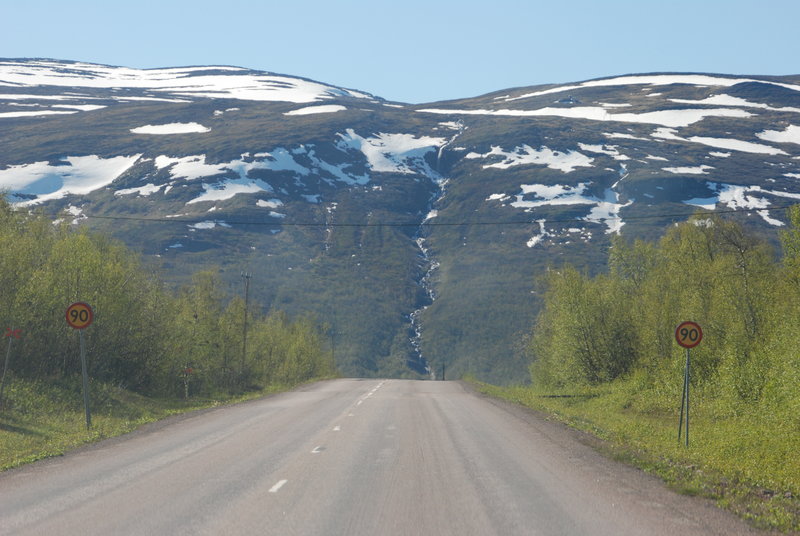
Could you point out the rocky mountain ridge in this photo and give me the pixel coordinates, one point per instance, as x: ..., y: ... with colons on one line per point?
x: 415, y: 231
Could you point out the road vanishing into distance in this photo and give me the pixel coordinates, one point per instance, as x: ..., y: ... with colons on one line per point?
x: 351, y: 457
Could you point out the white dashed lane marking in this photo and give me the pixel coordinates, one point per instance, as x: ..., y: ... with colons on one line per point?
x: 276, y: 487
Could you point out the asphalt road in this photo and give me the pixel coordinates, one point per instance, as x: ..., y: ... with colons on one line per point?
x: 351, y: 457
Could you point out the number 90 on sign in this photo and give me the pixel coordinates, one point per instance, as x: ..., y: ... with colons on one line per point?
x: 688, y: 334
x: 79, y: 315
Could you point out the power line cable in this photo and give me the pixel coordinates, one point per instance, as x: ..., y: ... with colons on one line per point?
x: 427, y: 223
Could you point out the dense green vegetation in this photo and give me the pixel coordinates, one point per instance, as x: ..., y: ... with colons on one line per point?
x: 610, y: 340
x: 144, y: 338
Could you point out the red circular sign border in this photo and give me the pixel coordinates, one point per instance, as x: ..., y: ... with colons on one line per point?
x: 91, y: 315
x: 694, y: 325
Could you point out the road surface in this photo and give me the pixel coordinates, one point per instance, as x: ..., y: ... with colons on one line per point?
x: 350, y: 457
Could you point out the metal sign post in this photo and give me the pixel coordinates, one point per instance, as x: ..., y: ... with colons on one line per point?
x: 80, y: 316
x: 685, y: 401
x: 85, y: 382
x: 688, y: 335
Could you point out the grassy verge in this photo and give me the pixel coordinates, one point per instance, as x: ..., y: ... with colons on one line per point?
x: 41, y: 419
x: 748, y: 461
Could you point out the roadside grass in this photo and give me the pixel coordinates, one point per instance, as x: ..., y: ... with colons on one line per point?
x: 44, y: 419
x: 747, y: 459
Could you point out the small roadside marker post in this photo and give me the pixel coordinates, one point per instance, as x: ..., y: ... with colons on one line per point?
x: 187, y: 373
x: 688, y: 335
x: 80, y: 316
x: 11, y: 334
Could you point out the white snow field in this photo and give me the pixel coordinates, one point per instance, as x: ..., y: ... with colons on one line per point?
x: 667, y: 118
x: 77, y: 175
x: 171, y: 128
x: 393, y: 153
x: 564, y: 161
x: 790, y: 134
x: 652, y: 80
x: 209, y: 82
x: 321, y: 109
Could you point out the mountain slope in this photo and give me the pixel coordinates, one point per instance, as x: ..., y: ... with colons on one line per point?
x: 415, y: 231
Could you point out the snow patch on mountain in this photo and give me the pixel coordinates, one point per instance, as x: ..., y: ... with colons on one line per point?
x: 790, y: 134
x: 652, y: 80
x: 719, y: 143
x: 708, y: 203
x: 737, y: 196
x: 189, y: 167
x: 201, y: 82
x: 535, y: 239
x: 195, y: 166
x: 622, y: 135
x: 30, y: 96
x: 271, y: 203
x: 729, y: 100
x: 81, y: 107
x: 555, y: 194
x: 392, y: 153
x: 322, y: 109
x: 607, y: 212
x: 564, y: 161
x: 737, y: 145
x: 144, y: 191
x: 171, y: 128
x: 34, y: 183
x: 35, y: 113
x: 610, y: 150
x: 228, y: 188
x: 667, y: 118
x: 208, y: 224
x: 123, y: 98
x: 75, y: 211
x: 604, y: 211
x: 688, y: 170
x: 278, y: 159
x: 340, y: 172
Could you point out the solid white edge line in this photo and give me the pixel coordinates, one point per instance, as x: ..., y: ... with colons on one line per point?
x: 276, y: 487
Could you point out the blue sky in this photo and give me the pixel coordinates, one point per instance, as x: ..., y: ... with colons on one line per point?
x: 416, y: 51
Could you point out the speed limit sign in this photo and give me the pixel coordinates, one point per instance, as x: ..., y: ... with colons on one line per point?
x: 688, y: 334
x: 79, y: 315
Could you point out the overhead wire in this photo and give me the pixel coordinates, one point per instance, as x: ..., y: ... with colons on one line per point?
x: 427, y: 222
